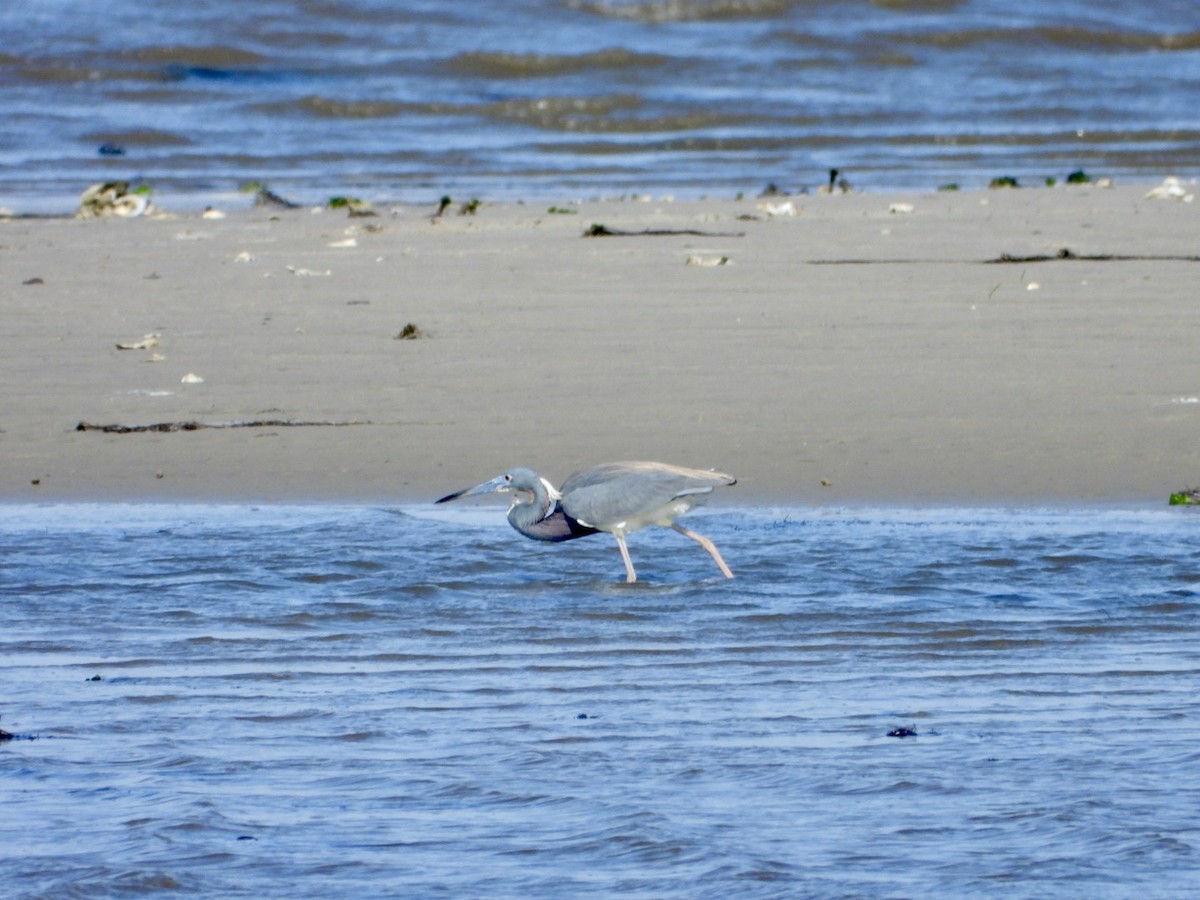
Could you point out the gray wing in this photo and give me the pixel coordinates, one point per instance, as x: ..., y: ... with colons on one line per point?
x: 637, y: 493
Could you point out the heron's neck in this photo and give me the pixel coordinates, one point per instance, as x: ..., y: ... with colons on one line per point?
x: 532, y: 506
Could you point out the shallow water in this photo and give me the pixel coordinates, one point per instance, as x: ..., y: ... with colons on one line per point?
x: 558, y: 99
x: 410, y: 702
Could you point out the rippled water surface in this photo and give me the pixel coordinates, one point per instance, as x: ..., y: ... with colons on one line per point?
x: 296, y: 701
x: 554, y: 97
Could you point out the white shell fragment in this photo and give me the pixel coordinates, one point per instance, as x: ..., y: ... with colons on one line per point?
x: 147, y: 341
x: 1171, y: 189
x: 348, y: 242
x: 212, y: 213
x: 191, y: 378
x: 307, y: 273
x: 783, y: 208
x: 1033, y: 286
x: 130, y: 205
x: 244, y: 257
x: 708, y: 261
x: 901, y: 209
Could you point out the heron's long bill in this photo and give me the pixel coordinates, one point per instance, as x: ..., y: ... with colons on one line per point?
x: 499, y: 483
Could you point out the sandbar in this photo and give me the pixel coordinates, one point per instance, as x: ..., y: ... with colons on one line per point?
x: 1027, y: 346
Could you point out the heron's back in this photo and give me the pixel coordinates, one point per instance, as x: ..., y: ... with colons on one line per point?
x: 632, y: 495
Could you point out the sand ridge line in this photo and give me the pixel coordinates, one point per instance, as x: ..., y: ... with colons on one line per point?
x: 197, y: 426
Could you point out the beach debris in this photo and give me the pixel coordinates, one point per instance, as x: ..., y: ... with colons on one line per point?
x: 598, y: 230
x: 1067, y: 254
x: 409, y: 332
x: 113, y: 198
x: 562, y: 211
x: 837, y: 184
x: 470, y: 207
x: 9, y: 736
x: 346, y: 242
x: 1186, y: 497
x: 191, y: 378
x: 783, y: 208
x: 1003, y: 181
x: 264, y: 196
x: 901, y: 209
x: 130, y: 206
x: 1171, y: 189
x: 949, y: 186
x: 34, y: 280
x: 107, y: 149
x: 353, y: 205
x: 903, y: 732
x: 708, y: 262
x: 155, y: 358
x: 309, y: 273
x: 443, y: 205
x: 211, y: 212
x: 147, y: 342
x: 1079, y: 177
x: 244, y: 257
x: 169, y: 427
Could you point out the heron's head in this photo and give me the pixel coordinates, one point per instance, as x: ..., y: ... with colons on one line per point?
x: 524, y: 484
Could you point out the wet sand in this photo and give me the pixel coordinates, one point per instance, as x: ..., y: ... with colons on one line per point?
x: 847, y: 354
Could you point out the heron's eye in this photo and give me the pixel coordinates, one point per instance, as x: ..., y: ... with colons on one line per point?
x: 508, y: 478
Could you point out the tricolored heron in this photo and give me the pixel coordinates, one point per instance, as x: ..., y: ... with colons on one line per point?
x: 616, y: 497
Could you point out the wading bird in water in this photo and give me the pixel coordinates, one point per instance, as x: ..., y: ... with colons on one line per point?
x: 616, y: 497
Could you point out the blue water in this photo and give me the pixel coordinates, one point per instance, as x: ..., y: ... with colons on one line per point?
x: 235, y: 701
x: 553, y: 99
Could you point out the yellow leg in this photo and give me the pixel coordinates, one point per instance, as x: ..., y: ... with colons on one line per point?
x: 707, y: 545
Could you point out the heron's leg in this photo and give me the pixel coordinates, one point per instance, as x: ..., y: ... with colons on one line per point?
x: 707, y: 545
x: 630, y: 575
